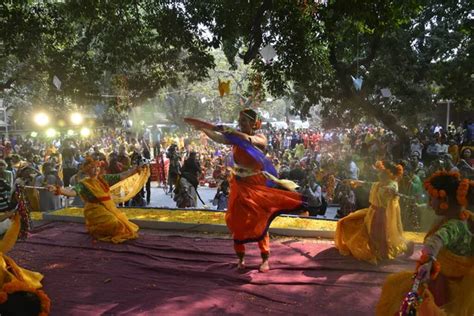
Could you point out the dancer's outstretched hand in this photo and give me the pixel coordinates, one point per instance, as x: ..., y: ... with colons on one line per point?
x: 424, y: 272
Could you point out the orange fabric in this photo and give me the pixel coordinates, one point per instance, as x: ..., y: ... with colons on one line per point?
x: 263, y: 245
x: 253, y: 205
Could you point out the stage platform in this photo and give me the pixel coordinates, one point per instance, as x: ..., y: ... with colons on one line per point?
x: 210, y: 221
x: 178, y: 273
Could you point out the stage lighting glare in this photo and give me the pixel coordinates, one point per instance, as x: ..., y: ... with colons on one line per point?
x: 50, y: 132
x: 70, y: 132
x: 85, y: 132
x: 77, y: 118
x: 34, y: 134
x: 41, y: 119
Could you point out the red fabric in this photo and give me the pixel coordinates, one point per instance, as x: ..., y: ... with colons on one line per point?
x: 173, y: 275
x: 252, y: 205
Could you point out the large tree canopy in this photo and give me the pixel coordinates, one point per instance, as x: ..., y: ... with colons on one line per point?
x: 125, y: 52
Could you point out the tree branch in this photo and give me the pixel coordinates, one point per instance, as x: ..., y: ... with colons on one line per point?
x: 256, y: 39
x: 8, y: 84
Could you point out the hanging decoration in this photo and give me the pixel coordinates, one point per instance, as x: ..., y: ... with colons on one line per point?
x: 57, y: 83
x: 224, y: 87
x: 357, y: 80
x: 268, y: 53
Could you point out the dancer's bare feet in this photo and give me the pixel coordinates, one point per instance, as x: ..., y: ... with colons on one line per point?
x: 264, y: 267
x: 241, y: 265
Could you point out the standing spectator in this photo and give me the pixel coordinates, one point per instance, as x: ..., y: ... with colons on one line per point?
x: 5, y: 174
x: 123, y: 158
x: 416, y: 147
x: 222, y: 196
x: 353, y: 170
x: 185, y: 193
x: 47, y: 200
x: 174, y: 167
x: 316, y: 204
x: 466, y: 164
x: 147, y: 155
x: 69, y: 165
x: 156, y: 140
x: 75, y: 179
x: 5, y: 193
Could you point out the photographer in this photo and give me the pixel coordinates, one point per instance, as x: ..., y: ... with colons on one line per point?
x: 136, y: 159
x: 47, y: 200
x: 185, y: 193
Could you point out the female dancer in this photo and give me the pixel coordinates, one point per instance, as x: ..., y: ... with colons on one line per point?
x: 103, y: 220
x: 446, y: 265
x: 252, y: 204
x: 20, y: 289
x: 375, y: 233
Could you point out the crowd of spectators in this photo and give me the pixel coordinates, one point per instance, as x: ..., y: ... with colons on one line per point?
x: 316, y: 159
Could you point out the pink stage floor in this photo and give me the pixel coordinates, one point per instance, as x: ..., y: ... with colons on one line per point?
x: 173, y: 275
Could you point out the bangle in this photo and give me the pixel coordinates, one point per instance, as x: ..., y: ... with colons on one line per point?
x: 58, y: 190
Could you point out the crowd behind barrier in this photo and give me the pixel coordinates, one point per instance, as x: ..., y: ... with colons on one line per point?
x: 317, y: 159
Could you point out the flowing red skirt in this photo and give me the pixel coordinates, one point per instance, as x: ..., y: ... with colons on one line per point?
x: 253, y: 206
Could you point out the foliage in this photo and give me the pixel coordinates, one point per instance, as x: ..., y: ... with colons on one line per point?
x: 124, y: 53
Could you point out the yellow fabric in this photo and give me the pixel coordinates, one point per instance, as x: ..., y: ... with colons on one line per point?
x: 32, y: 195
x: 11, y: 235
x: 126, y: 189
x: 360, y: 235
x: 103, y: 220
x: 459, y: 273
x: 459, y: 269
x: 9, y: 270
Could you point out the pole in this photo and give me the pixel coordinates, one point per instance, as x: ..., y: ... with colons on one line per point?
x: 448, y: 112
x: 6, y: 122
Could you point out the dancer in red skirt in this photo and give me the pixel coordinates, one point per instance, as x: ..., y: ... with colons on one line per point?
x: 253, y: 202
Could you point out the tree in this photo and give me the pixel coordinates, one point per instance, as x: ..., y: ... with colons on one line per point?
x: 420, y: 49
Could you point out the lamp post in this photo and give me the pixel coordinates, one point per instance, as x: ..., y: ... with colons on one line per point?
x: 448, y: 112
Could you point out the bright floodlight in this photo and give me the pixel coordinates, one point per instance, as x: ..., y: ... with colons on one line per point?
x: 50, y: 132
x: 76, y: 118
x: 85, y: 132
x: 34, y: 134
x: 41, y: 119
x: 70, y: 132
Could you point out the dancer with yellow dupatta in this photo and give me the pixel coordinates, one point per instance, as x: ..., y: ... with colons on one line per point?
x: 445, y: 269
x: 20, y: 289
x: 375, y: 233
x: 100, y: 194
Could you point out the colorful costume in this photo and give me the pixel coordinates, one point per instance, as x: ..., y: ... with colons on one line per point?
x: 452, y: 292
x: 13, y: 278
x: 253, y: 205
x: 373, y: 233
x: 103, y: 220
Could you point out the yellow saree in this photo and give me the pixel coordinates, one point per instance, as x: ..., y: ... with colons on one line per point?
x: 103, y: 220
x: 373, y: 233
